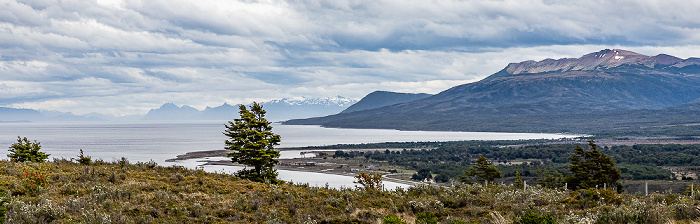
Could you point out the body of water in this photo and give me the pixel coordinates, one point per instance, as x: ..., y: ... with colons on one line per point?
x: 158, y: 141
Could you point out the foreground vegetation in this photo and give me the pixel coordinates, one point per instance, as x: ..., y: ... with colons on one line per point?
x: 63, y: 191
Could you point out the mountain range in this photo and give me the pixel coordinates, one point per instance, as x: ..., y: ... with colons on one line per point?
x: 26, y: 115
x: 277, y: 110
x: 600, y: 91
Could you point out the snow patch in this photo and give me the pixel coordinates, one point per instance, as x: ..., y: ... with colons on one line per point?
x: 327, y: 101
x: 618, y: 57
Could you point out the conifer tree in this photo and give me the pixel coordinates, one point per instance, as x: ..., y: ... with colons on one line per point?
x: 252, y: 143
x: 24, y: 151
x: 591, y: 168
x: 482, y: 170
x: 518, y: 181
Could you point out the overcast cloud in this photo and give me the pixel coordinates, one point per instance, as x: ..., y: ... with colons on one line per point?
x: 127, y: 56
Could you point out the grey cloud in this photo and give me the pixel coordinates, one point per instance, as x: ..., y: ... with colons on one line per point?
x: 402, y: 25
x: 70, y: 53
x: 21, y: 14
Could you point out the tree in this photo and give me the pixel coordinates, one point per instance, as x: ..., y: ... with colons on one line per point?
x: 370, y: 182
x: 519, y: 183
x: 482, y: 170
x: 422, y: 174
x: 252, y: 143
x: 591, y: 168
x: 24, y: 151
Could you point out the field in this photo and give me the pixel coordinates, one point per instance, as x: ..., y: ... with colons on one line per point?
x: 120, y: 192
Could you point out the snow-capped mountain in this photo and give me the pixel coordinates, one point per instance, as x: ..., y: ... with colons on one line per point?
x: 297, y: 107
x: 337, y: 101
x: 604, y: 90
x: 277, y: 110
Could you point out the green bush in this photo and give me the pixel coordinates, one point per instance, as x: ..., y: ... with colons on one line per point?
x: 426, y: 218
x: 3, y: 202
x: 532, y: 218
x: 390, y: 219
x: 84, y: 160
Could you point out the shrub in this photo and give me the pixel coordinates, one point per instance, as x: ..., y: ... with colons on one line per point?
x: 532, y: 218
x: 371, y: 181
x: 390, y: 219
x: 84, y: 160
x: 3, y: 202
x: 591, y: 197
x: 34, y: 180
x: 426, y: 218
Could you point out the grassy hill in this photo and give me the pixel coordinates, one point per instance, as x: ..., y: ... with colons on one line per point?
x: 119, y: 192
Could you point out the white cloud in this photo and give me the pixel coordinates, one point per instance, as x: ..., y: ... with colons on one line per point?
x: 126, y: 56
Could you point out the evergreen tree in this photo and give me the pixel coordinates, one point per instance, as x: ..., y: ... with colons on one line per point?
x: 482, y: 170
x: 24, y: 151
x: 591, y: 168
x: 252, y: 143
x: 519, y: 183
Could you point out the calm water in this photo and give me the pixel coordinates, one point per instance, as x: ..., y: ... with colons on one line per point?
x: 158, y: 141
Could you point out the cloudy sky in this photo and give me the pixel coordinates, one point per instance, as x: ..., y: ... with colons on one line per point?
x: 124, y: 57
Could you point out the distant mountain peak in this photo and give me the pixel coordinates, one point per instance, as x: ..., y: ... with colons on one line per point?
x: 168, y: 106
x: 381, y: 98
x: 665, y: 59
x: 557, y: 95
x: 172, y: 106
x: 601, y: 60
x: 327, y: 101
x: 283, y: 109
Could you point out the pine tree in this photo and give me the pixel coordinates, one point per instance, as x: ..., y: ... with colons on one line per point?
x: 591, y: 168
x: 252, y: 143
x: 482, y: 170
x: 518, y: 181
x: 24, y: 151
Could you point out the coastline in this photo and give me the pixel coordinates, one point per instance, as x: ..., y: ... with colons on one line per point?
x: 311, y: 165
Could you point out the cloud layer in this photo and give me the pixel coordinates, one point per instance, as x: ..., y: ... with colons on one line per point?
x: 126, y: 56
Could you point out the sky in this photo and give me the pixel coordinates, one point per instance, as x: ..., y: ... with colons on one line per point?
x: 123, y: 57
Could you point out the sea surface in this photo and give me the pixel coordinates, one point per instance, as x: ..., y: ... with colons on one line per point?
x: 158, y: 141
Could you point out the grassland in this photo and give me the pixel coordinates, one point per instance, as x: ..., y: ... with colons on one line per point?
x: 121, y: 192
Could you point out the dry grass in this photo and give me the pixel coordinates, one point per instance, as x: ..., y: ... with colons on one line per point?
x: 120, y: 192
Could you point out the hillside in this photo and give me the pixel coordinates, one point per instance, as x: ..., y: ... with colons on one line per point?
x: 600, y: 91
x: 379, y: 99
x: 120, y: 192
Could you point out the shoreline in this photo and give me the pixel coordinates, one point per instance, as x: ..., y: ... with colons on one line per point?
x: 216, y: 158
x: 315, y: 164
x: 319, y: 149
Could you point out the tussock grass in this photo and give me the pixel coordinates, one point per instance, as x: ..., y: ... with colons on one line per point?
x: 121, y: 192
